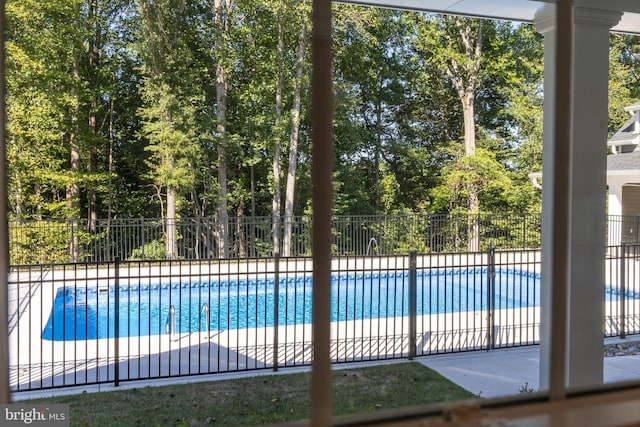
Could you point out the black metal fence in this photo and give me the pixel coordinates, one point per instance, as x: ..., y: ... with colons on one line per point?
x: 92, y: 323
x: 44, y: 242
x: 622, y: 294
x: 623, y: 229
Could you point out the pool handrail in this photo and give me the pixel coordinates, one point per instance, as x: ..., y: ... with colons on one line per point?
x: 170, y: 324
x: 204, y: 310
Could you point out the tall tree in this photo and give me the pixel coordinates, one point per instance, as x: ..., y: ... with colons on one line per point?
x: 278, y: 128
x: 37, y: 60
x: 296, y: 111
x: 223, y: 20
x: 373, y: 68
x: 170, y: 93
x: 457, y: 42
x: 97, y: 20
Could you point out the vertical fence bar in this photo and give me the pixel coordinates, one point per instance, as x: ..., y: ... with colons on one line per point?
x: 491, y: 290
x: 623, y: 289
x: 116, y: 322
x: 413, y: 293
x: 276, y: 309
x: 631, y: 289
x: 524, y: 231
x: 142, y: 237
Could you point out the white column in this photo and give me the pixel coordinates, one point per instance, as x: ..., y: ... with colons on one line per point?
x: 546, y: 25
x: 587, y: 195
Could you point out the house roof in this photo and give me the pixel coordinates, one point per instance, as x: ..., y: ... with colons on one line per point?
x: 623, y: 162
x: 625, y: 134
x: 617, y: 164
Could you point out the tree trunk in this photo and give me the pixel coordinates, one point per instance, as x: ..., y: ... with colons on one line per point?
x: 223, y: 216
x: 293, y: 143
x: 171, y: 247
x: 465, y: 79
x: 94, y: 62
x: 92, y: 195
x: 252, y: 232
x: 277, y: 149
x: 377, y: 155
x: 73, y: 199
x: 73, y: 188
x: 110, y: 181
x: 474, y: 224
x: 468, y: 112
x: 222, y: 21
x: 242, y: 242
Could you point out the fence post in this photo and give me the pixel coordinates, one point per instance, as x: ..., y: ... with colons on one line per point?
x: 413, y: 287
x: 116, y: 322
x: 623, y: 290
x: 276, y: 309
x: 491, y: 290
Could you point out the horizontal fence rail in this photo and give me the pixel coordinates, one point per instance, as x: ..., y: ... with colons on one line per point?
x: 92, y: 323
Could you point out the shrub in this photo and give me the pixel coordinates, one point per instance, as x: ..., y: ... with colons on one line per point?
x: 154, y: 250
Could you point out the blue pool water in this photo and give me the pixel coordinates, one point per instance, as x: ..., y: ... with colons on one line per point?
x: 89, y: 313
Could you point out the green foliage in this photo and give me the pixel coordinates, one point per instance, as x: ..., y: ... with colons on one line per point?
x: 154, y: 250
x: 620, y: 92
x: 481, y: 173
x: 172, y: 98
x: 389, y: 189
x: 374, y: 75
x: 172, y: 145
x: 145, y: 73
x: 61, y: 69
x: 404, y: 234
x: 42, y: 242
x: 510, y: 231
x: 47, y: 242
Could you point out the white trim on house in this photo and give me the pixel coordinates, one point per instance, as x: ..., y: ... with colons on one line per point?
x: 512, y: 10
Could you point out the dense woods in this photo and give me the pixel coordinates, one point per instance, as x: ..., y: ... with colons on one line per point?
x: 200, y: 108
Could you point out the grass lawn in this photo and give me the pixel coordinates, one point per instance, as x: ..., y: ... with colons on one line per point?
x: 261, y: 399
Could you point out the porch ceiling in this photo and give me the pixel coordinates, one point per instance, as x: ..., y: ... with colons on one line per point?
x: 511, y: 10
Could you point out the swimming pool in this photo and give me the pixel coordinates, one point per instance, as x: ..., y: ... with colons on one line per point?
x: 83, y: 313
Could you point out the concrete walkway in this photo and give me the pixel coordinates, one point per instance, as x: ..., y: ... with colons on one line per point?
x: 508, y: 372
